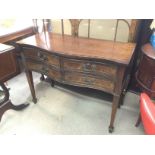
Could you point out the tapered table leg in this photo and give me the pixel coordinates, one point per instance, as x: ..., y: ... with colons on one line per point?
x: 31, y: 85
x: 117, y: 96
x: 113, y: 112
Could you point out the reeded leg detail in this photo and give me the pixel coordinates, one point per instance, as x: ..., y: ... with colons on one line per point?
x: 31, y: 85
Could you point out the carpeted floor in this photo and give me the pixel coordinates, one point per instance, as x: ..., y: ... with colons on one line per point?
x: 67, y: 110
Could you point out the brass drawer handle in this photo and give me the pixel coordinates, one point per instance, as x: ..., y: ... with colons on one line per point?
x: 87, y: 66
x: 42, y: 57
x: 45, y: 58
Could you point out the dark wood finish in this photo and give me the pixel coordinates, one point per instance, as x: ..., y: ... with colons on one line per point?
x: 41, y: 56
x: 30, y: 81
x: 82, y: 47
x: 16, y: 35
x: 143, y: 36
x: 8, y: 63
x: 82, y: 62
x: 89, y: 66
x: 10, y: 38
x: 8, y: 69
x: 43, y: 68
x: 145, y: 75
x: 89, y: 81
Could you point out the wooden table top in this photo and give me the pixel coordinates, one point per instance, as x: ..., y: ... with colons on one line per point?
x: 82, y: 47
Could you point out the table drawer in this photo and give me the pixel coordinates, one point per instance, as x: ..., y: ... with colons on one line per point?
x: 88, y: 66
x: 42, y: 56
x: 42, y: 68
x: 30, y: 52
x: 35, y: 66
x: 89, y: 81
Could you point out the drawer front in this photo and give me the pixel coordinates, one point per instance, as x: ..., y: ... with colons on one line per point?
x: 34, y: 66
x: 89, y: 81
x: 39, y: 55
x: 30, y: 52
x: 54, y: 74
x: 106, y: 69
x: 88, y: 66
x: 42, y: 68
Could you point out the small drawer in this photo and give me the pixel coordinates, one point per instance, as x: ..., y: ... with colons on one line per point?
x: 35, y: 66
x: 78, y: 65
x: 30, y: 52
x: 73, y: 65
x: 44, y: 69
x: 53, y: 60
x: 89, y: 81
x: 90, y: 66
x: 105, y: 68
x: 40, y: 55
x: 54, y: 74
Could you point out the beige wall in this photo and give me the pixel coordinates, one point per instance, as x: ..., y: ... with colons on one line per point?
x: 99, y: 29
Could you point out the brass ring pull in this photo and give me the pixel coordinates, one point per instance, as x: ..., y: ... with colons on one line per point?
x: 87, y: 66
x: 42, y: 57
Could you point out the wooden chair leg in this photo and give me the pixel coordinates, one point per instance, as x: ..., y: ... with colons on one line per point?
x: 138, y: 121
x: 8, y: 105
